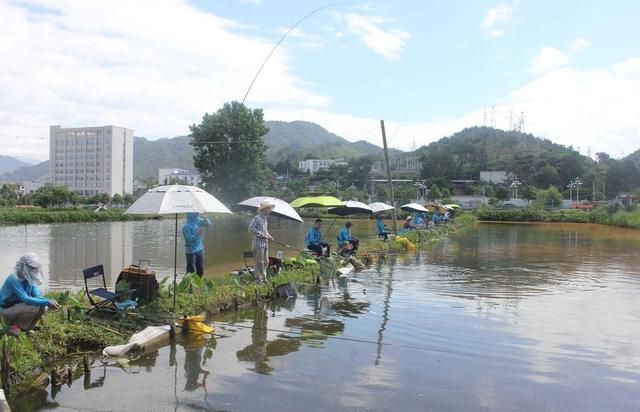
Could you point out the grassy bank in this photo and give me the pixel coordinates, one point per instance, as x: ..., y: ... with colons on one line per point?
x: 19, y: 216
x: 621, y: 218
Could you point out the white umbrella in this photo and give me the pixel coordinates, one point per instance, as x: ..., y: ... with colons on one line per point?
x: 174, y: 199
x: 378, y: 207
x: 351, y: 207
x: 414, y: 207
x: 282, y: 209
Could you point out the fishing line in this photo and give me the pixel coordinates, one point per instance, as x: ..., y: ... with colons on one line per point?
x: 278, y: 44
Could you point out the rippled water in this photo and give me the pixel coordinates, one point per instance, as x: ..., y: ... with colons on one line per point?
x: 500, y: 317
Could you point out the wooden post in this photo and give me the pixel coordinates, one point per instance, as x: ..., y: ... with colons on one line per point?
x: 87, y: 371
x: 386, y: 163
x: 6, y: 368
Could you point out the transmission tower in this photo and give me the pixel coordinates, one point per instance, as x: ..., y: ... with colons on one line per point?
x: 520, y: 126
x: 511, y: 125
x: 484, y: 117
x: 493, y: 116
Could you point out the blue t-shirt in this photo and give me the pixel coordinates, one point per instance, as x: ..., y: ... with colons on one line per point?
x: 192, y: 238
x: 381, y: 227
x: 16, y: 291
x: 313, y: 236
x: 344, y: 236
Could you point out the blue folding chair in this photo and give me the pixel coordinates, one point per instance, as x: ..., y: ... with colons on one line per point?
x: 108, y: 298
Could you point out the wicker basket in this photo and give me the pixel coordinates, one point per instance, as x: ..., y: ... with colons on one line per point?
x: 143, y: 281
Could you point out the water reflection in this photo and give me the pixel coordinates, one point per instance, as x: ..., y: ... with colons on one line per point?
x: 67, y: 249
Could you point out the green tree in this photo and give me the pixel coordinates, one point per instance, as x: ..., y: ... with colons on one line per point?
x: 434, y: 193
x: 8, y: 195
x: 502, y: 193
x: 358, y: 171
x: 230, y: 151
x: 117, y: 200
x: 54, y: 196
x: 128, y: 199
x: 529, y: 193
x: 549, y: 198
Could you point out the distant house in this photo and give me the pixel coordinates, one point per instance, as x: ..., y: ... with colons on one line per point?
x: 166, y: 176
x: 496, y: 177
x: 312, y: 166
x: 627, y: 199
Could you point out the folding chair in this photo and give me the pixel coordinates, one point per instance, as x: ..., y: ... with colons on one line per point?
x: 108, y: 298
x: 248, y: 255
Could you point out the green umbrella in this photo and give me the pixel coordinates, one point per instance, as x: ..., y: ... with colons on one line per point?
x: 317, y: 201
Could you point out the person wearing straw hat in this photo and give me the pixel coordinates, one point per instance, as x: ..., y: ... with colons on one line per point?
x: 259, y: 227
x: 21, y: 303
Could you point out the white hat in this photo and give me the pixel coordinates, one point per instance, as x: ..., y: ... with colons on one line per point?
x: 265, y: 204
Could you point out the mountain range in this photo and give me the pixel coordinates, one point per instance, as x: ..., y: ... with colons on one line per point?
x: 8, y: 164
x: 460, y: 156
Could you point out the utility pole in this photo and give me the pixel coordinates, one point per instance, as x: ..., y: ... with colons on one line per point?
x: 386, y: 163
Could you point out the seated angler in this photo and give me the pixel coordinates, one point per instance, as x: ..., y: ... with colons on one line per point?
x: 21, y: 303
x: 382, y: 229
x: 313, y: 240
x: 346, y: 242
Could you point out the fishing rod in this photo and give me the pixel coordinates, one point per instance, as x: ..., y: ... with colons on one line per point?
x: 280, y: 41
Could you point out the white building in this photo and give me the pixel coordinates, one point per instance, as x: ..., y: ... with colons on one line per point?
x: 91, y: 160
x: 312, y: 166
x: 165, y: 176
x: 30, y: 187
x: 496, y: 177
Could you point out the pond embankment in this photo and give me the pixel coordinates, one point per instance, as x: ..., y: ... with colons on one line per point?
x: 614, y: 217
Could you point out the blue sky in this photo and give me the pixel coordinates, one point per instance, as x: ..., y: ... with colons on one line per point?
x: 428, y: 68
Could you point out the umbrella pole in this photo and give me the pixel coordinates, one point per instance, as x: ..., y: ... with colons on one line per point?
x: 172, y: 330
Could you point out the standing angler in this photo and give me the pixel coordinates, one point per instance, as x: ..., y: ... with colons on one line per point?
x: 259, y: 227
x: 193, y: 246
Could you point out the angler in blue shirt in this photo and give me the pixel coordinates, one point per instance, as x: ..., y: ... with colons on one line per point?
x: 21, y: 303
x: 418, y: 220
x: 346, y: 241
x: 382, y: 229
x: 314, y: 242
x: 193, y: 247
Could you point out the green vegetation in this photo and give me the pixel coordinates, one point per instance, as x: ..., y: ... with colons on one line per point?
x: 230, y: 151
x: 20, y: 216
x: 607, y: 216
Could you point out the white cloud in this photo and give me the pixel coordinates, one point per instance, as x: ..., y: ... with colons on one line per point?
x: 496, y: 18
x: 548, y: 58
x: 309, y: 40
x: 386, y: 41
x: 578, y: 44
x: 154, y: 69
x: 594, y: 109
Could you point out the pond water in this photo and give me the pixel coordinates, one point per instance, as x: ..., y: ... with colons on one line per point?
x: 67, y: 249
x: 499, y: 317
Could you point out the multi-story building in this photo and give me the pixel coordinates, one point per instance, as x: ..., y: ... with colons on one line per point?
x: 312, y: 166
x: 91, y: 160
x: 166, y: 176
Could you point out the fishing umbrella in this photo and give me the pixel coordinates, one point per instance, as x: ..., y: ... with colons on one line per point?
x: 282, y: 208
x: 350, y: 207
x: 378, y: 207
x: 435, y: 207
x: 175, y: 199
x: 413, y: 207
x: 317, y: 201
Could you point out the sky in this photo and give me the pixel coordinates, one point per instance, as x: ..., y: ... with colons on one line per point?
x: 571, y: 69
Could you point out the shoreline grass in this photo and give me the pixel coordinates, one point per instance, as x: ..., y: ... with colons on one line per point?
x: 619, y: 218
x: 35, y: 215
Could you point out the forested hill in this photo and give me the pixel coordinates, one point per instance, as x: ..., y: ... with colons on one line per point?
x: 534, y: 160
x: 294, y: 140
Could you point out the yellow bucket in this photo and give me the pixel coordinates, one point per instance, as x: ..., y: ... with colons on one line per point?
x: 195, y: 324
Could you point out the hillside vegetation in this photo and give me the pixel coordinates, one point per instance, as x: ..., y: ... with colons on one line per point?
x: 537, y: 161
